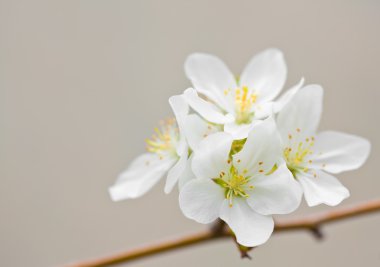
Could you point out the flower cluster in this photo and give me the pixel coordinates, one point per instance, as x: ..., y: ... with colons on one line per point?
x: 240, y: 153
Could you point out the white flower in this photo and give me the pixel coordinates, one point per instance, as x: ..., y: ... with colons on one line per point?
x: 236, y: 104
x: 243, y: 190
x: 167, y: 154
x: 310, y: 155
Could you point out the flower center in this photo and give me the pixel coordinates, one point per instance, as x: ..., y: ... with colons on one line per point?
x: 234, y: 184
x: 298, y: 152
x: 165, y: 138
x: 244, y: 100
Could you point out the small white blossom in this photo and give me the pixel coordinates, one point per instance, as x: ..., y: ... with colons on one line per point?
x: 167, y: 154
x: 310, y: 156
x: 236, y: 104
x: 244, y: 189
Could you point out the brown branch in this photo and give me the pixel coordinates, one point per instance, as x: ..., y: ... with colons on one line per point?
x: 310, y: 223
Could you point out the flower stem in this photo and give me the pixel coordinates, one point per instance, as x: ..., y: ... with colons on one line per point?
x: 218, y: 230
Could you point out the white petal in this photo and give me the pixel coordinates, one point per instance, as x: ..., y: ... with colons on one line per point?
x: 261, y: 151
x: 287, y: 96
x: 206, y: 109
x: 265, y: 74
x: 264, y: 110
x: 212, y: 156
x: 175, y: 173
x: 143, y: 173
x: 239, y: 131
x: 277, y: 193
x: 187, y: 174
x: 302, y: 112
x: 336, y: 152
x: 180, y: 109
x: 323, y: 188
x: 251, y: 229
x: 210, y: 76
x: 196, y: 129
x: 201, y: 200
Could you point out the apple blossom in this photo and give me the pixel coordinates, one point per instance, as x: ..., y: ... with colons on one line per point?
x: 236, y: 104
x: 310, y: 156
x: 167, y: 154
x: 243, y: 189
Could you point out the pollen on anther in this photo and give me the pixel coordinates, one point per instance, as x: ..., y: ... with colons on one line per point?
x: 290, y: 136
x: 229, y: 161
x: 238, y: 160
x: 261, y: 163
x: 298, y: 130
x: 261, y: 171
x: 310, y: 161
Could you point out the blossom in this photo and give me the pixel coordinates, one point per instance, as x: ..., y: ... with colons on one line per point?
x: 311, y: 156
x: 167, y: 153
x: 236, y: 103
x: 244, y: 189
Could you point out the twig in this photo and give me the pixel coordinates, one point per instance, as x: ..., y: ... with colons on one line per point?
x: 309, y: 223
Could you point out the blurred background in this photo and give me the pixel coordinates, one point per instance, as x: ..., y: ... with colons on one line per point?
x: 83, y: 83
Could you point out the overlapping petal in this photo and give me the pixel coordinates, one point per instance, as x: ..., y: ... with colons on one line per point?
x: 196, y: 129
x: 336, y: 152
x: 210, y: 76
x: 302, y: 112
x: 322, y: 188
x: 277, y: 193
x: 143, y: 173
x: 206, y: 109
x: 175, y: 173
x: 251, y: 229
x: 212, y: 156
x: 265, y: 74
x: 261, y: 151
x: 201, y: 199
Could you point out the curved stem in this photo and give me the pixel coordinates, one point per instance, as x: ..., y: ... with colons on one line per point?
x: 309, y: 223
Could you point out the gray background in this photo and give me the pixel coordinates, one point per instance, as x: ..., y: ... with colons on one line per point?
x: 84, y: 82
